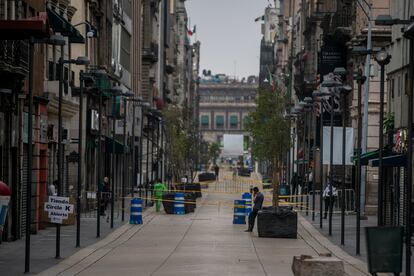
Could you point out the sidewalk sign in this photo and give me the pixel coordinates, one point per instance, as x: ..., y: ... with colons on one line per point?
x: 58, y: 209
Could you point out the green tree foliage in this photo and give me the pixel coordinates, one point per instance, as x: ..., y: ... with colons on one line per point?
x: 183, y: 142
x: 214, y: 150
x: 270, y: 132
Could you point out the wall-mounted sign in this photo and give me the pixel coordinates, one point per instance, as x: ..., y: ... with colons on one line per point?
x: 94, y: 120
x: 331, y: 57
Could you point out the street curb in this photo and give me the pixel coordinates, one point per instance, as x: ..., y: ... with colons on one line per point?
x: 353, y: 266
x: 91, y: 254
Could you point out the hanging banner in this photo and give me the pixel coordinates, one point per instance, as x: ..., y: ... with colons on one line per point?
x: 337, y: 145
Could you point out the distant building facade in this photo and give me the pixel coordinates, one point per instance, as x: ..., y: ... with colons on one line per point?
x: 224, y: 109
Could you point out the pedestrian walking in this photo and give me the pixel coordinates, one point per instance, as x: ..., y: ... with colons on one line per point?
x: 258, y: 199
x: 159, y: 189
x: 104, y: 191
x: 294, y: 183
x: 52, y: 188
x: 329, y: 193
x: 216, y: 171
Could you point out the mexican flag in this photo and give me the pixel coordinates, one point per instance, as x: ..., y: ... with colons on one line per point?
x: 191, y: 32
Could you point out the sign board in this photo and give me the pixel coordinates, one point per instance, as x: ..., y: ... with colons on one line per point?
x: 337, y: 145
x: 331, y: 56
x: 233, y: 145
x: 58, y: 208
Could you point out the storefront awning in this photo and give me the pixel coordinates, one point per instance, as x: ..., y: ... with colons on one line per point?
x: 36, y: 27
x: 366, y: 157
x: 399, y: 160
x: 60, y: 24
x: 119, y: 147
x: 301, y: 161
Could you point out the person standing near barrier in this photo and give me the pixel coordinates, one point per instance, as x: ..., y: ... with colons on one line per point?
x: 216, y: 171
x: 329, y: 190
x: 294, y: 182
x: 258, y: 199
x: 159, y: 190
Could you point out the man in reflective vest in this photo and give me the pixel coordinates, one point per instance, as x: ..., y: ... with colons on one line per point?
x: 159, y: 189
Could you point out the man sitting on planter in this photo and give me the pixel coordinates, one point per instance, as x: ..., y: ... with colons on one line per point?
x: 258, y: 203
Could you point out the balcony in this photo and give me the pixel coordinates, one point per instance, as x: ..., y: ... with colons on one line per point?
x: 14, y: 57
x: 150, y: 53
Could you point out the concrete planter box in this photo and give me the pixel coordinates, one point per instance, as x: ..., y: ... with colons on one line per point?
x: 277, y: 223
x: 206, y: 177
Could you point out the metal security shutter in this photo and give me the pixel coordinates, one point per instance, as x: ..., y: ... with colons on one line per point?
x: 23, y: 189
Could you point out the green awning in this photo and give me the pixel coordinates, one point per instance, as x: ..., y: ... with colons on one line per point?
x: 366, y: 157
x: 119, y: 147
x: 62, y: 25
x: 397, y: 160
x: 204, y: 120
x: 234, y: 120
x: 220, y: 120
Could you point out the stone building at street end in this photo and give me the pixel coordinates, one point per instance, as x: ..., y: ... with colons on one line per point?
x: 224, y: 107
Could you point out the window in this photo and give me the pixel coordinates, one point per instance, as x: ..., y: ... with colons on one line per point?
x: 407, y: 84
x: 399, y: 86
x: 125, y: 58
x: 51, y: 71
x: 204, y: 121
x: 234, y: 121
x: 246, y: 120
x: 392, y: 88
x: 219, y: 121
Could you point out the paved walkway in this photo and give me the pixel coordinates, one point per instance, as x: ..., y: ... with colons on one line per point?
x: 203, y: 243
x: 43, y: 245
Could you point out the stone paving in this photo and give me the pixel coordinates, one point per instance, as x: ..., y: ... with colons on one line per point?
x: 202, y: 243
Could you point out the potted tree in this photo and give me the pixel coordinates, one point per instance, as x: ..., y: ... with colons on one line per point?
x: 271, y: 140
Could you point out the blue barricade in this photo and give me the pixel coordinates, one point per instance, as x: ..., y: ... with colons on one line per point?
x: 179, y: 208
x: 136, y: 211
x: 239, y: 212
x: 248, y: 198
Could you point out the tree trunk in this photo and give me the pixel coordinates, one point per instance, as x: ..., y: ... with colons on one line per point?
x: 275, y: 181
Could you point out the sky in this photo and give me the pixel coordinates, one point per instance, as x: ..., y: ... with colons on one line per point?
x: 230, y: 39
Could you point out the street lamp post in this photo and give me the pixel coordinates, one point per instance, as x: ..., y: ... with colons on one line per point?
x: 344, y: 118
x: 316, y: 95
x: 360, y: 80
x: 409, y: 33
x: 309, y: 109
x: 62, y: 62
x: 331, y: 84
x: 383, y: 58
x: 115, y: 91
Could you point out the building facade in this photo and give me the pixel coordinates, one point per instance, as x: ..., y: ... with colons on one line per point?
x: 224, y: 109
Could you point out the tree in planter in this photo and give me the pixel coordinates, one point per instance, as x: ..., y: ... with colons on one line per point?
x: 183, y: 142
x: 214, y: 151
x: 176, y: 140
x: 270, y: 133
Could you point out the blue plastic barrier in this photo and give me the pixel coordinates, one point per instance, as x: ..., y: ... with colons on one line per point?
x: 248, y: 198
x: 179, y: 208
x: 136, y: 211
x: 239, y: 216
